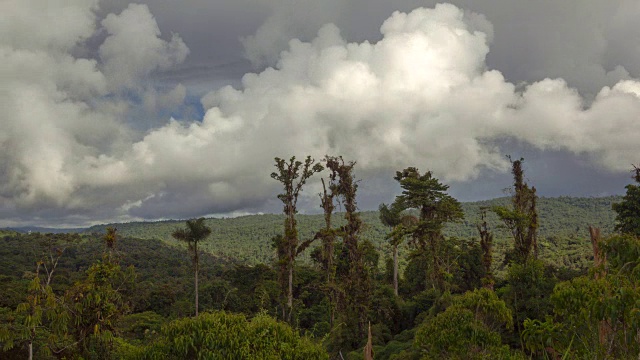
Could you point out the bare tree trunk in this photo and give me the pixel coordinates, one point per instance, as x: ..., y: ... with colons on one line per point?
x: 599, y: 259
x: 331, y: 284
x: 395, y: 269
x: 196, y: 263
x: 368, y: 349
x: 197, y: 290
x: 437, y: 272
x: 30, y: 350
x: 486, y: 244
x: 290, y: 293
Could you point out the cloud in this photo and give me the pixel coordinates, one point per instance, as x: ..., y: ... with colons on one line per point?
x: 66, y: 23
x: 134, y: 49
x: 552, y: 116
x: 586, y: 43
x: 422, y: 95
x: 60, y: 114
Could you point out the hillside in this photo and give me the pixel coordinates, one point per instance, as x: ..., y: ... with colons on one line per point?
x: 164, y: 288
x: 563, y: 224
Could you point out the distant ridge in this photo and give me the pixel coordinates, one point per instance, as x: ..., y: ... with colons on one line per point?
x: 44, y: 230
x: 563, y: 222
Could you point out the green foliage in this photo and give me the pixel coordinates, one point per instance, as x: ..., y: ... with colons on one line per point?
x: 140, y: 326
x: 563, y: 238
x: 292, y: 175
x: 541, y: 337
x: 527, y: 293
x: 429, y: 197
x: 468, y: 271
x: 79, y: 322
x: 221, y: 335
x: 487, y: 307
x: 400, y: 347
x: 521, y: 218
x: 195, y: 232
x: 602, y: 312
x: 623, y: 254
x: 467, y: 329
x: 385, y: 309
x: 401, y: 226
x: 453, y: 334
x: 165, y: 286
x: 628, y: 210
x: 97, y: 303
x: 356, y: 262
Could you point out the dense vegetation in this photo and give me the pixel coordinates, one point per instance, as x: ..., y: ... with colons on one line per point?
x: 512, y: 278
x: 563, y: 235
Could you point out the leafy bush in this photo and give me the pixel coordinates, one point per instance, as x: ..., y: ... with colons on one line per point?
x: 467, y: 329
x: 221, y: 335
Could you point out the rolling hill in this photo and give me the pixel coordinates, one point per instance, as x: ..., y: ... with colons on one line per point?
x: 563, y: 229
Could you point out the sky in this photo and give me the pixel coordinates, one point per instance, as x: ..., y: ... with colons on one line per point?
x: 114, y: 111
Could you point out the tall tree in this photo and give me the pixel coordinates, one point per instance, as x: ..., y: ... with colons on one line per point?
x: 195, y: 232
x: 628, y: 210
x: 293, y: 175
x: 390, y: 216
x: 328, y: 233
x: 80, y: 323
x: 328, y: 237
x: 522, y: 218
x: 43, y: 310
x: 428, y: 195
x: 356, y: 284
x: 401, y: 225
x: 486, y: 244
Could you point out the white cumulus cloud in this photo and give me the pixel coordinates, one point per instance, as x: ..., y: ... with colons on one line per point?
x: 422, y: 95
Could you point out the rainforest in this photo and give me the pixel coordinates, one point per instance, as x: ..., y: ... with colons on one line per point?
x: 425, y: 277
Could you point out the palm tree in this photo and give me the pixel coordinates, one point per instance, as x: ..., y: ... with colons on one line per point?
x: 195, y: 231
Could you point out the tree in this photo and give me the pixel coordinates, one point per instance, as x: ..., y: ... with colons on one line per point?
x: 598, y: 316
x: 628, y: 210
x: 96, y: 304
x: 42, y: 315
x: 522, y: 218
x: 328, y: 237
x: 195, y: 232
x: 293, y: 175
x: 355, y: 280
x: 111, y: 237
x: 428, y: 195
x: 486, y: 243
x: 221, y: 335
x: 467, y: 329
x: 527, y: 293
x: 391, y: 217
x: 41, y: 300
x: 400, y: 224
x: 81, y: 321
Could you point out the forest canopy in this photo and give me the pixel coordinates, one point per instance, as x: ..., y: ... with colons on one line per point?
x: 426, y: 277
